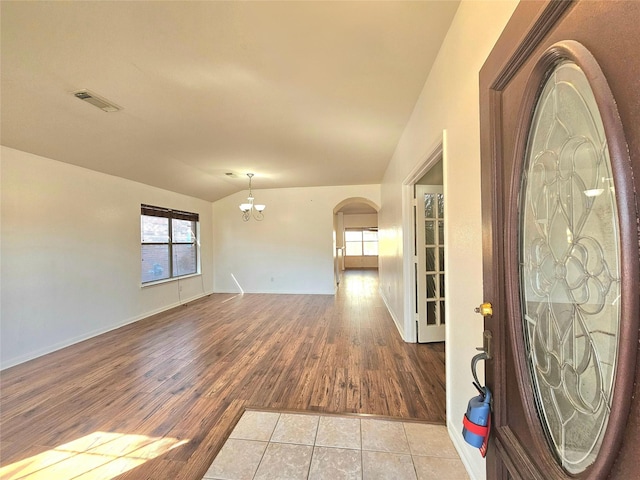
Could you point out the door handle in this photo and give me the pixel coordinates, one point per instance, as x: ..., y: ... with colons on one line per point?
x: 486, y: 309
x: 486, y: 345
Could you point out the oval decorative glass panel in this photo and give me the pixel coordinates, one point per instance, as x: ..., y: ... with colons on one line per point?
x: 569, y: 267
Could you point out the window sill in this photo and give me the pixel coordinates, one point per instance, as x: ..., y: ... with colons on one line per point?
x: 169, y: 280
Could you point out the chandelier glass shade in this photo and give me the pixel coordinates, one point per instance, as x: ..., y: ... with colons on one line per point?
x: 251, y: 209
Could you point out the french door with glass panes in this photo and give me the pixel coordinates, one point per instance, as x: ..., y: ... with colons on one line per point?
x: 429, y: 263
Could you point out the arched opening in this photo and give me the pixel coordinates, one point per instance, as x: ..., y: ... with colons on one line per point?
x: 355, y: 233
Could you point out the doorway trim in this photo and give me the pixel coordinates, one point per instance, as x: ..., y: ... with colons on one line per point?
x: 433, y: 155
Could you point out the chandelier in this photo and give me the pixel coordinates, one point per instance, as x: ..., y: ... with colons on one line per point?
x: 249, y: 209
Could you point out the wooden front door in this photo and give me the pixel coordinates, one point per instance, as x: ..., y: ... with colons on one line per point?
x: 560, y: 133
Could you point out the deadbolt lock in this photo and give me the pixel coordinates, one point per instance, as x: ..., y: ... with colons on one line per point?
x: 486, y: 309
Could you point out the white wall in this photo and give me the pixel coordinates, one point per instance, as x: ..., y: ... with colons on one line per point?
x: 449, y: 101
x: 361, y: 220
x: 291, y: 250
x: 70, y: 254
x: 360, y: 262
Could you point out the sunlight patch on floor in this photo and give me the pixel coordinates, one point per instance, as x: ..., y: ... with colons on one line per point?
x: 99, y: 455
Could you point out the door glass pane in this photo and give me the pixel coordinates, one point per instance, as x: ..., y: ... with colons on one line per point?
x: 431, y: 286
x: 570, y: 267
x: 441, y: 257
x: 440, y: 232
x: 415, y: 275
x: 431, y: 313
x: 442, y: 315
x: 429, y: 232
x: 415, y: 237
x: 441, y: 276
x: 429, y: 205
x: 440, y: 205
x: 431, y: 259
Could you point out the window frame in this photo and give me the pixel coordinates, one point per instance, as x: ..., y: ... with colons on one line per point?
x: 362, y: 241
x: 171, y: 215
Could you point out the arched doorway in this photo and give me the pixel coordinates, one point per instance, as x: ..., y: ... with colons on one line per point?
x: 355, y: 232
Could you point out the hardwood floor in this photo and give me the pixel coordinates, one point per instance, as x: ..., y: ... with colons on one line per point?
x: 185, y: 376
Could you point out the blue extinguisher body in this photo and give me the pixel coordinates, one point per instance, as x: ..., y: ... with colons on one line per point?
x: 478, y: 413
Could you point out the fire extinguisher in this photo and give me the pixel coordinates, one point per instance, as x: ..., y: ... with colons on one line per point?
x: 477, y: 421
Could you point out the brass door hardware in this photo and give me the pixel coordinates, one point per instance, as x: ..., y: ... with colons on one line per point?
x: 486, y: 309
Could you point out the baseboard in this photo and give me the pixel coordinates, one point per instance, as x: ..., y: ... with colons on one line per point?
x: 81, y: 338
x: 465, y: 451
x: 395, y: 320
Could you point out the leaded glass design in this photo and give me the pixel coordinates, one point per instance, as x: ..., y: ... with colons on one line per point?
x: 429, y: 200
x: 570, y: 267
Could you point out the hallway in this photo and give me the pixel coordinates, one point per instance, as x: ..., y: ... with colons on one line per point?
x: 166, y: 391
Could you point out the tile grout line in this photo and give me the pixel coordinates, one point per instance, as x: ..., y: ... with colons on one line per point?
x: 361, y: 454
x: 406, y: 437
x: 266, y: 446
x: 313, y: 447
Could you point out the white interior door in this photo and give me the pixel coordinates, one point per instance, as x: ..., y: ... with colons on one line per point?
x: 429, y: 263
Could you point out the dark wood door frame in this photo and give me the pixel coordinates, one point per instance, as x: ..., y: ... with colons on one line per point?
x: 527, y: 29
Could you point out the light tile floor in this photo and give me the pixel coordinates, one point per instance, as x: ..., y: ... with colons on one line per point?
x: 279, y: 446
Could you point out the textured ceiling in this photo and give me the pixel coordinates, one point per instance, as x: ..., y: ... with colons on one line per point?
x: 300, y: 93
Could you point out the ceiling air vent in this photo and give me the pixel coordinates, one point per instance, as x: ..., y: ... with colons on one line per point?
x: 97, y: 101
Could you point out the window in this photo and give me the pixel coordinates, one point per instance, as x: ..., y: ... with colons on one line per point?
x: 361, y: 242
x: 169, y: 243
